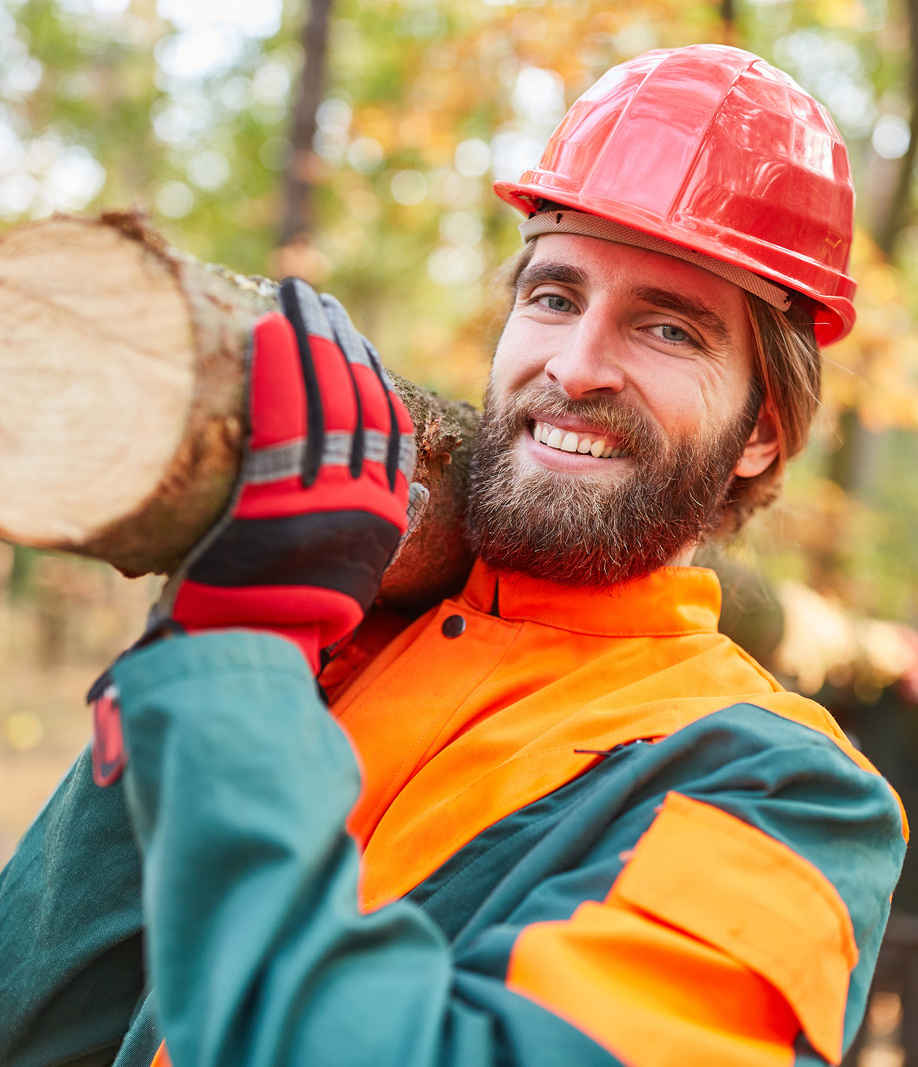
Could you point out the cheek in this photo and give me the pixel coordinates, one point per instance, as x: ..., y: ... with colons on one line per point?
x: 517, y: 358
x: 672, y: 394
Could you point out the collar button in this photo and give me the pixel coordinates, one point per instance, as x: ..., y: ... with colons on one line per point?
x: 453, y: 626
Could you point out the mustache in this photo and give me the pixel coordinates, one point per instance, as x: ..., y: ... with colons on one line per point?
x: 612, y: 416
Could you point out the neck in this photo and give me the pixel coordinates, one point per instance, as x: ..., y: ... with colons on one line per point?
x: 684, y: 557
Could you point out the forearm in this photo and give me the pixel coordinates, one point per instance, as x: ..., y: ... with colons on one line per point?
x: 256, y: 944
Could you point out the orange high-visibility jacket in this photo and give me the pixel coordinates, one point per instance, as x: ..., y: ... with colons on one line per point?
x: 591, y: 830
x: 497, y: 701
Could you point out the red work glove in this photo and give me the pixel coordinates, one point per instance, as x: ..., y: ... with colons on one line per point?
x: 320, y: 505
x: 322, y: 497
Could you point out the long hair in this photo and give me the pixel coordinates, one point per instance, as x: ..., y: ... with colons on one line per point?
x: 787, y: 366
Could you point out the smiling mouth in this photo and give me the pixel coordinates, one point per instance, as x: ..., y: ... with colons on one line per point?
x: 572, y: 441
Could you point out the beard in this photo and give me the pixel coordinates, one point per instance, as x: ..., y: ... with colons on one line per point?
x: 582, y: 529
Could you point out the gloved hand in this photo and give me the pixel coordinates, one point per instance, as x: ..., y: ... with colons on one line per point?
x: 320, y: 505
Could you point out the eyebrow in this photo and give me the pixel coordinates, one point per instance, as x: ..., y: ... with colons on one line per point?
x: 550, y: 272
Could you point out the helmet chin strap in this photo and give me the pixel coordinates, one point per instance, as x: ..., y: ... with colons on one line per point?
x: 559, y: 219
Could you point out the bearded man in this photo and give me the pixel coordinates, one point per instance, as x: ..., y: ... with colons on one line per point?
x: 559, y: 818
x: 592, y: 466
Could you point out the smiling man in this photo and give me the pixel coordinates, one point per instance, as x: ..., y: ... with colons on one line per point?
x: 559, y: 819
x: 622, y: 405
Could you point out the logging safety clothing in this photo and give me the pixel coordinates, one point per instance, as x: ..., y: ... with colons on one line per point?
x: 713, y: 150
x: 593, y: 831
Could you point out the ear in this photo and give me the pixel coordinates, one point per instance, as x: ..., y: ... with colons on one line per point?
x: 762, y: 447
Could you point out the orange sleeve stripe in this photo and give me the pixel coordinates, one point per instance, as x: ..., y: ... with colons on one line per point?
x: 714, y: 938
x: 649, y: 994
x: 161, y: 1059
x: 754, y: 898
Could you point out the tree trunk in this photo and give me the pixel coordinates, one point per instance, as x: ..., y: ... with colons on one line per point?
x: 898, y: 211
x: 297, y: 219
x: 122, y: 363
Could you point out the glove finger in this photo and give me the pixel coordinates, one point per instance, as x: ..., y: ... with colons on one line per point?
x: 351, y: 344
x: 278, y: 430
x: 418, y: 499
x: 388, y: 434
x: 401, y: 449
x: 276, y: 397
x: 379, y: 419
x: 332, y: 401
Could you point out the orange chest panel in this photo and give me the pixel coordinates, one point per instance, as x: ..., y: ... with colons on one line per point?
x: 456, y: 730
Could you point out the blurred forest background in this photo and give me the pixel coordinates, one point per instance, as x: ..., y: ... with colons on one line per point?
x: 354, y: 142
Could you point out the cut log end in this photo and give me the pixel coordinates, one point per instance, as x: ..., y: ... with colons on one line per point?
x: 122, y: 365
x: 96, y: 378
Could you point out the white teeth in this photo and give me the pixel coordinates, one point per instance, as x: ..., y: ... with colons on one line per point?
x: 569, y: 441
x: 554, y: 439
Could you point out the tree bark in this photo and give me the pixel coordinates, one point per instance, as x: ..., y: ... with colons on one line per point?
x: 122, y: 363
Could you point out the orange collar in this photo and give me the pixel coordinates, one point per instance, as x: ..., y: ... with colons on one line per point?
x: 668, y: 602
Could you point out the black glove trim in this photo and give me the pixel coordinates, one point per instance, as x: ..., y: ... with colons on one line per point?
x: 342, y: 550
x: 290, y: 304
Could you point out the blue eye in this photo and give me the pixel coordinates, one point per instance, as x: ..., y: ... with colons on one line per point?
x: 673, y: 333
x: 556, y: 303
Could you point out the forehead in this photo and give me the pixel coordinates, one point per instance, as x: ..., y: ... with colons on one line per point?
x: 609, y: 267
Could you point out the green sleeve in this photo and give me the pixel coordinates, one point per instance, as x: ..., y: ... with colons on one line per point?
x: 70, y: 919
x: 239, y: 784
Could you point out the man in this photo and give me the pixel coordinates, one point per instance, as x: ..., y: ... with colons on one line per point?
x: 591, y: 829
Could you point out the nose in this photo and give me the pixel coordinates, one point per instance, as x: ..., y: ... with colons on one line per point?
x: 589, y: 361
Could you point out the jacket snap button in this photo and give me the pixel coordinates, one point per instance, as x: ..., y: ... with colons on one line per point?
x: 453, y: 626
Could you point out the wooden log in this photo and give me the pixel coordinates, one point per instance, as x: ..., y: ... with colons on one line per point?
x: 122, y: 371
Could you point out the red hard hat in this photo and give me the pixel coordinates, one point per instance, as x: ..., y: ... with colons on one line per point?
x: 713, y: 149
